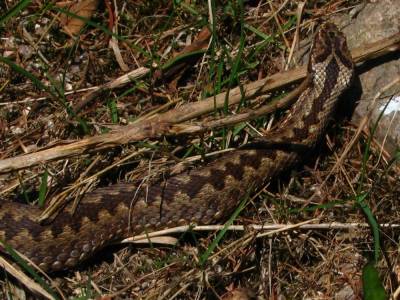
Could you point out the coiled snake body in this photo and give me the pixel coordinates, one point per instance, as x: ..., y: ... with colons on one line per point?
x: 201, y: 196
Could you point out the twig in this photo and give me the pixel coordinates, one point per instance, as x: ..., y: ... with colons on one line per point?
x: 128, y: 77
x: 250, y: 114
x: 161, y: 124
x: 266, y: 228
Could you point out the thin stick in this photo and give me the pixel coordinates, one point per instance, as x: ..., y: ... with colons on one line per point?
x: 161, y: 124
x: 266, y: 228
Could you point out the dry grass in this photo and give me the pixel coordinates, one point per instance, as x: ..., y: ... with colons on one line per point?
x: 317, y: 263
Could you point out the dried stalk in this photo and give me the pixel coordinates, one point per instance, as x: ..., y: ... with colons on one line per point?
x: 266, y: 229
x: 162, y: 124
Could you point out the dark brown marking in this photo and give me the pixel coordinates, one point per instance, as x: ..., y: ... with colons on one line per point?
x: 318, y: 104
x: 343, y: 53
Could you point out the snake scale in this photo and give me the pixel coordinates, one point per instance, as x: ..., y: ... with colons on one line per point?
x: 199, y: 196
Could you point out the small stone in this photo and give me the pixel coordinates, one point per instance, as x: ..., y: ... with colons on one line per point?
x: 345, y: 293
x: 26, y: 51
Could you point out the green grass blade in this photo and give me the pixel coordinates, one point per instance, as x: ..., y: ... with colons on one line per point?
x: 43, y: 189
x: 372, y: 285
x: 181, y: 57
x: 24, y: 191
x: 238, y: 128
x: 15, y: 10
x: 361, y: 196
x: 189, y: 8
x: 21, y: 262
x: 112, y: 105
x: 221, y: 234
x: 218, y: 81
x: 234, y: 77
x: 36, y: 81
x: 265, y: 37
x: 372, y: 222
x: 213, y: 49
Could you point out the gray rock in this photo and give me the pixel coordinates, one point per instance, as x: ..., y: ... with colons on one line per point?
x: 346, y: 293
x: 373, y: 22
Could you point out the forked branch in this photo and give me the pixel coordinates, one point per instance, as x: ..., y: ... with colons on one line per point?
x: 169, y: 123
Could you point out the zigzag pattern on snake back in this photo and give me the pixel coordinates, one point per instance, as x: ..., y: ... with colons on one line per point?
x: 200, y: 196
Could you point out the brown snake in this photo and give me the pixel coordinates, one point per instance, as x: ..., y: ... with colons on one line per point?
x: 200, y: 196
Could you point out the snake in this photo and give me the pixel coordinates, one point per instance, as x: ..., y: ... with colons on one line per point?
x: 202, y: 195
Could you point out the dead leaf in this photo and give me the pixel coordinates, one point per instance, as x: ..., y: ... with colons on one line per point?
x: 83, y: 8
x: 163, y: 240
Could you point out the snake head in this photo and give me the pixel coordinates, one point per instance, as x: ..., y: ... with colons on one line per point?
x: 329, y: 41
x: 330, y: 63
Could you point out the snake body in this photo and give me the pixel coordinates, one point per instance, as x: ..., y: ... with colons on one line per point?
x: 200, y: 196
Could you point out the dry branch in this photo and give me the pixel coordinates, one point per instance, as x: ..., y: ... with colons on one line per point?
x: 162, y: 124
x: 265, y: 229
